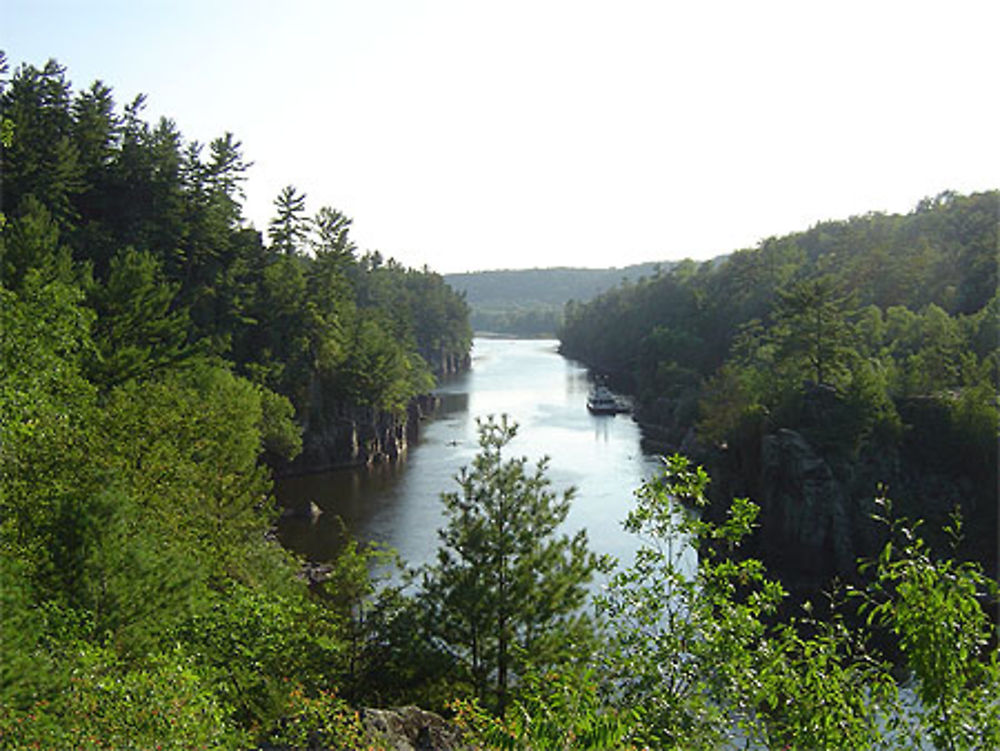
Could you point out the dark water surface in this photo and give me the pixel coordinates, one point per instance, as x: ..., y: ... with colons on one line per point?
x: 399, y: 505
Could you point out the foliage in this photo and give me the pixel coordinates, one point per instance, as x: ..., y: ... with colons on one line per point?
x: 319, y: 721
x: 506, y: 592
x: 822, y: 690
x: 948, y: 639
x: 554, y: 710
x: 811, y: 330
x: 107, y: 704
x: 154, y: 353
x: 873, y: 339
x: 704, y: 655
x: 535, y: 321
x: 159, y: 226
x: 250, y: 646
x: 683, y: 635
x: 289, y: 228
x: 136, y: 331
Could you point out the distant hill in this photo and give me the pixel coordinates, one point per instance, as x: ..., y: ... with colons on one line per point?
x: 529, y: 302
x: 556, y: 286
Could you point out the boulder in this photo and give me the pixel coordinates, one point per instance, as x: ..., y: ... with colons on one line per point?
x: 410, y: 729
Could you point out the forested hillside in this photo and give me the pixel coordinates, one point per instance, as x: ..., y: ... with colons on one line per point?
x: 155, y: 351
x: 530, y: 302
x: 147, y: 229
x: 822, y: 366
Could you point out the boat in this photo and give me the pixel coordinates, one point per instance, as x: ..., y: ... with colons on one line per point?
x: 601, y: 401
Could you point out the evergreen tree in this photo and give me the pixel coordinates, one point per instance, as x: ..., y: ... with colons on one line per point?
x: 811, y: 330
x: 138, y: 331
x: 331, y: 234
x: 506, y: 591
x: 42, y: 160
x: 226, y: 173
x: 290, y: 227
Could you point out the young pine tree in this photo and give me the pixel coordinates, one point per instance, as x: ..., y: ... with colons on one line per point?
x: 506, y: 591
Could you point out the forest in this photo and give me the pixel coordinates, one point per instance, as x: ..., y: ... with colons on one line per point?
x: 161, y: 359
x: 822, y: 368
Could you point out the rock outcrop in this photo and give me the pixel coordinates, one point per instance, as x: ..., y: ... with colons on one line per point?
x: 410, y: 729
x: 343, y: 435
x: 446, y: 363
x: 804, y: 508
x: 338, y: 434
x: 818, y: 497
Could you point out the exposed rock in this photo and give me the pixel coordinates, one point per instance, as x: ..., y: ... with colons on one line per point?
x: 689, y: 444
x: 804, y: 508
x: 445, y: 363
x: 410, y: 729
x: 343, y: 435
x: 817, y: 485
x: 308, y: 512
x: 667, y: 423
x: 315, y: 573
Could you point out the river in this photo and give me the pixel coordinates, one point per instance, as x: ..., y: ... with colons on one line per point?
x: 398, y: 505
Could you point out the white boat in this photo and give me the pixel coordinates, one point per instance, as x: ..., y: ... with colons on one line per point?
x: 601, y: 401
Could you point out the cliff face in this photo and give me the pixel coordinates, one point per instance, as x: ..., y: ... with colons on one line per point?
x: 346, y: 435
x: 337, y: 434
x: 445, y: 362
x: 805, y: 507
x: 817, y: 504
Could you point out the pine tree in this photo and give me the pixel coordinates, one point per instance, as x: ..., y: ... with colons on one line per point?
x: 505, y: 589
x: 811, y: 328
x: 289, y: 228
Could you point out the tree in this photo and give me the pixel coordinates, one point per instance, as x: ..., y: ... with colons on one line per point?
x: 226, y: 173
x: 699, y: 646
x: 331, y: 234
x: 289, y: 228
x: 42, y: 160
x: 138, y: 565
x: 137, y: 331
x: 505, y: 590
x: 939, y: 611
x: 31, y: 240
x: 811, y: 328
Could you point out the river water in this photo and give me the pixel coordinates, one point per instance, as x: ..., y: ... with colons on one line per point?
x: 398, y: 505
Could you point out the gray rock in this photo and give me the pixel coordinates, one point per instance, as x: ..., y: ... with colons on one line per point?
x: 805, y: 507
x: 410, y: 729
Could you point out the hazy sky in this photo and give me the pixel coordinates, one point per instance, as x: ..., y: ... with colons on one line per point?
x: 509, y: 134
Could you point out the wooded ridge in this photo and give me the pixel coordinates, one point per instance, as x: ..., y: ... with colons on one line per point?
x: 821, y: 366
x: 530, y: 302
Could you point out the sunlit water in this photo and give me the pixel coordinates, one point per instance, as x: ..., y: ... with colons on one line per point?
x: 399, y: 505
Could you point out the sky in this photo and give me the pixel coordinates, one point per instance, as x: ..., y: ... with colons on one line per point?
x: 467, y: 135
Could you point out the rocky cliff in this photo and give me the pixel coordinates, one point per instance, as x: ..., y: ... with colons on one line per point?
x: 816, y: 480
x: 346, y: 435
x: 338, y: 434
x: 818, y: 502
x: 445, y: 363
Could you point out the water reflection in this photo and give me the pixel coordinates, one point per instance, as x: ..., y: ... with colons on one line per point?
x: 602, y: 431
x: 452, y: 402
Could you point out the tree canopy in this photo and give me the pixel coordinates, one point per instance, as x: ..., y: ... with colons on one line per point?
x: 866, y: 338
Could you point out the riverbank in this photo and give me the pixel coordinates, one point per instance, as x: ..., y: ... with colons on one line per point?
x: 347, y: 436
